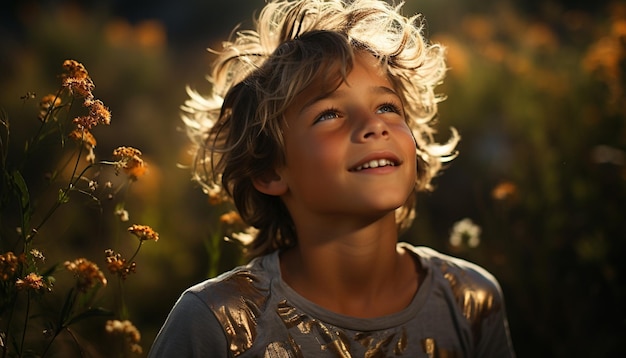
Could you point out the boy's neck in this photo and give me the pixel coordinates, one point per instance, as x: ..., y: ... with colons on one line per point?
x: 358, y: 273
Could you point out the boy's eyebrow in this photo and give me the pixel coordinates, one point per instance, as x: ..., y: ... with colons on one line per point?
x: 338, y: 93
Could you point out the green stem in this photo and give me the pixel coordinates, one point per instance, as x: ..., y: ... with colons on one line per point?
x: 64, y: 318
x: 25, y: 322
x: 56, y: 333
x: 213, y: 248
x: 59, y: 201
x: 36, y: 138
x: 75, y: 339
x: 136, y: 251
x: 5, y: 347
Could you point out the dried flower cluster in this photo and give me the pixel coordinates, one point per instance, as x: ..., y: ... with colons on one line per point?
x: 144, y: 232
x: 129, y: 159
x: 87, y: 274
x: 504, y: 191
x: 32, y: 281
x: 9, y: 264
x: 21, y: 274
x: 48, y: 104
x: 77, y: 81
x: 231, y: 218
x: 126, y: 328
x: 117, y: 265
x: 465, y: 231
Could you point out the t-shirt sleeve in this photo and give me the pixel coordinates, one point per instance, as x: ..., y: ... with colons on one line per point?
x: 495, y: 340
x: 190, y: 330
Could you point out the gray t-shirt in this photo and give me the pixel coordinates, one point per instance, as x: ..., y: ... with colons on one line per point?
x: 250, y: 311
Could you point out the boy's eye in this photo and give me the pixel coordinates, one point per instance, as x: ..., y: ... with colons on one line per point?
x: 388, y: 108
x: 326, y: 115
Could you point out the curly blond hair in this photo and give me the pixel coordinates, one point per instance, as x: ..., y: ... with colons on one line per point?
x: 238, y: 128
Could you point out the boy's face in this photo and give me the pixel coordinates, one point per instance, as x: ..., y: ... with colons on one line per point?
x: 348, y: 152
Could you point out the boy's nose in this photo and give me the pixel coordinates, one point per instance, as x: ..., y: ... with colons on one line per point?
x: 369, y: 127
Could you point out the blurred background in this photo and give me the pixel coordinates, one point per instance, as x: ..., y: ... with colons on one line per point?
x: 537, y: 90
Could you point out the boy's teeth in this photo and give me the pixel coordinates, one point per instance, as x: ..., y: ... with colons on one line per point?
x: 374, y: 164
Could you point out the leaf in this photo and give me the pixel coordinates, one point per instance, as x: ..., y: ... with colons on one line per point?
x: 20, y: 184
x: 50, y: 270
x: 68, y: 305
x: 89, y: 313
x: 63, y: 198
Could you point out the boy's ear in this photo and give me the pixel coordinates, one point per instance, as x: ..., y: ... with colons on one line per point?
x: 270, y: 183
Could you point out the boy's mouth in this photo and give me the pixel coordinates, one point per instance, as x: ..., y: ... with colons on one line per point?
x: 375, y: 163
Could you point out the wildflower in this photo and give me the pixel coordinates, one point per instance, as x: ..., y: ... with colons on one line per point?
x: 117, y: 265
x: 478, y: 28
x: 247, y: 236
x: 47, y: 104
x: 618, y: 29
x: 540, y: 36
x: 231, y: 218
x: 38, y: 255
x: 32, y: 281
x: 604, y: 56
x: 98, y: 114
x: 215, y: 194
x: 98, y: 111
x: 465, y: 230
x: 28, y: 95
x: 9, y: 264
x: 144, y: 232
x: 86, y: 272
x: 504, y: 191
x: 85, y: 122
x: 122, y: 214
x: 85, y: 137
x: 93, y: 185
x: 128, y: 158
x: 128, y: 329
x: 77, y: 80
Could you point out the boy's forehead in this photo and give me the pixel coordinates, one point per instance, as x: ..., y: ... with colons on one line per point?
x: 328, y: 80
x: 324, y: 85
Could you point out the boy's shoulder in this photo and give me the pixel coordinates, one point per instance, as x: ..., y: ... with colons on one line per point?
x: 475, y: 291
x: 453, y: 268
x: 243, y: 287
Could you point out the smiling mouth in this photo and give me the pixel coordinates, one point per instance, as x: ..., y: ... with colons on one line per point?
x: 376, y: 163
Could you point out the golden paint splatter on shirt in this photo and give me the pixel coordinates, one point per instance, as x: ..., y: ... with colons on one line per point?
x: 238, y: 313
x: 330, y: 340
x: 432, y: 351
x: 337, y: 341
x: 475, y: 301
x: 283, y: 350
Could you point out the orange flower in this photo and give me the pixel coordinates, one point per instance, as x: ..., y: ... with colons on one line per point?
x: 85, y: 137
x: 9, y: 264
x: 77, y: 80
x: 504, y: 191
x: 117, y: 265
x: 231, y: 218
x: 47, y: 104
x: 31, y: 281
x: 144, y: 232
x: 99, y: 111
x: 129, y: 159
x: 128, y: 329
x: 86, y: 272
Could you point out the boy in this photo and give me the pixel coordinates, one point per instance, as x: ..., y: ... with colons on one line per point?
x: 319, y: 129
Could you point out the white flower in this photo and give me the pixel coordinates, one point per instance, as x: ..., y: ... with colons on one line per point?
x: 122, y: 214
x: 465, y: 230
x: 246, y: 237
